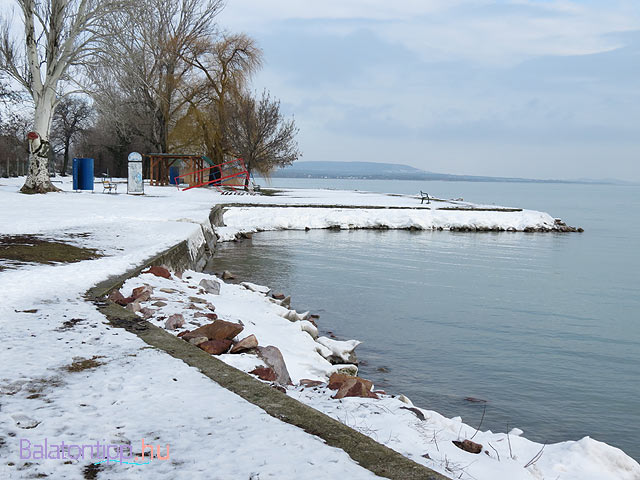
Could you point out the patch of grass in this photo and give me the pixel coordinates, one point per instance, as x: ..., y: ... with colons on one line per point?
x: 31, y: 248
x: 84, y: 364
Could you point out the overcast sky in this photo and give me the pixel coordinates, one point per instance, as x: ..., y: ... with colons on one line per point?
x: 534, y: 88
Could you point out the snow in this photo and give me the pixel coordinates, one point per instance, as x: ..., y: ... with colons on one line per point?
x: 133, y: 391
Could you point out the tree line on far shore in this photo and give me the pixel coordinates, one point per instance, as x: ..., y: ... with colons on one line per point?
x: 102, y: 78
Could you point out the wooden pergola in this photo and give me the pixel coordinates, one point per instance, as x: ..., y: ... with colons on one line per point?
x: 159, y: 164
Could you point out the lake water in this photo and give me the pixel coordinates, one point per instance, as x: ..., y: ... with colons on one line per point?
x: 544, y: 327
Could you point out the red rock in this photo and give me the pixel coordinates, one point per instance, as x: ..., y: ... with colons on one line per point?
x: 142, y: 293
x: 218, y: 330
x: 264, y: 373
x: 278, y: 296
x: 468, y: 446
x: 272, y: 356
x: 349, y: 386
x: 280, y: 388
x: 181, y: 334
x: 159, y: 272
x: 305, y: 382
x: 245, y: 344
x: 215, y: 347
x: 120, y: 299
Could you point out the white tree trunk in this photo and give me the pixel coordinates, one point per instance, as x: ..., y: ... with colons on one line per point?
x: 38, y: 180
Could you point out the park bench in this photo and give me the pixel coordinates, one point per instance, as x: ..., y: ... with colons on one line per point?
x: 424, y: 196
x: 108, y: 185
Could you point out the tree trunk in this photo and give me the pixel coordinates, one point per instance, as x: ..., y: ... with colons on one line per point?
x: 65, y: 161
x: 38, y: 180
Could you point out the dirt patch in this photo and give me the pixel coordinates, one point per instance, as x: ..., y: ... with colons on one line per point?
x: 20, y: 249
x: 84, y: 364
x: 90, y: 472
x: 69, y: 324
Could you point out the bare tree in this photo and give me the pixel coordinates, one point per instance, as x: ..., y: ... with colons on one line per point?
x: 260, y: 135
x: 146, y: 59
x: 13, y: 145
x: 71, y: 118
x: 58, y: 35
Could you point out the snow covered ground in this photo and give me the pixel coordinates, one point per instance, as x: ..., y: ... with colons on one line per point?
x: 65, y: 375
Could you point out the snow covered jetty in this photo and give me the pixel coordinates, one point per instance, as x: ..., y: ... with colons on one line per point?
x: 301, y: 209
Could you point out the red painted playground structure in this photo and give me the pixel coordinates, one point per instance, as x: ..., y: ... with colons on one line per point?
x: 225, y: 174
x: 232, y: 174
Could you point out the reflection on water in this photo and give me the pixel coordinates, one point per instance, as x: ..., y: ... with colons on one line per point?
x: 540, y: 326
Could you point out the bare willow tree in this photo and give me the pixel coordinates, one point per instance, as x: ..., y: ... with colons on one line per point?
x: 226, y: 66
x: 259, y: 133
x: 146, y: 59
x: 58, y: 35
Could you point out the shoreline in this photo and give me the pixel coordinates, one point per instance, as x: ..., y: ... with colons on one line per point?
x: 318, y: 396
x: 124, y: 240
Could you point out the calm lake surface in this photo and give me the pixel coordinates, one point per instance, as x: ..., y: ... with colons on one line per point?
x: 544, y: 327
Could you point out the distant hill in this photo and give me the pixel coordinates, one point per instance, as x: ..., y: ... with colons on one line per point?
x: 392, y: 171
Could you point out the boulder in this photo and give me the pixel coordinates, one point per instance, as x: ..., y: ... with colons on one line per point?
x: 349, y: 386
x: 264, y: 373
x: 159, y: 304
x: 210, y: 285
x: 468, y: 446
x: 159, y: 272
x: 278, y: 296
x: 174, y: 321
x: 218, y: 330
x: 183, y: 333
x: 210, y: 316
x: 120, y: 299
x: 286, y: 302
x: 310, y: 328
x: 168, y: 290
x: 215, y: 347
x: 227, y: 275
x: 142, y: 293
x: 346, y: 369
x: 197, y: 300
x: 305, y: 382
x: 134, y: 306
x: 341, y: 352
x: 273, y: 358
x: 245, y: 344
x: 256, y: 288
x: 198, y: 340
x: 147, y: 313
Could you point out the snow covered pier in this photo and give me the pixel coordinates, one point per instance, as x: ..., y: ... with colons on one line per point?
x: 301, y: 209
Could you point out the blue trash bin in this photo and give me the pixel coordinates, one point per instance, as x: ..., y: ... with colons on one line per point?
x: 83, y: 174
x: 173, y: 173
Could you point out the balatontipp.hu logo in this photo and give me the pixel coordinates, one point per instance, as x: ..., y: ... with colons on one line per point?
x: 97, y: 452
